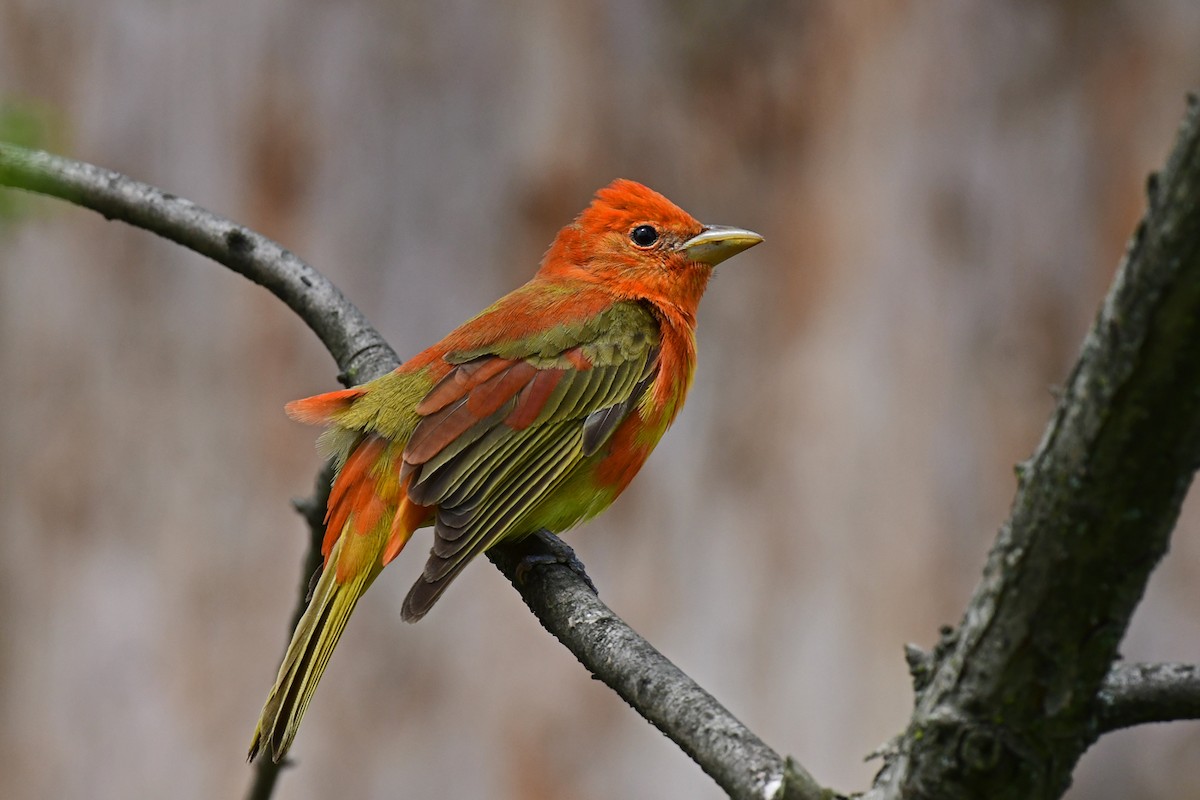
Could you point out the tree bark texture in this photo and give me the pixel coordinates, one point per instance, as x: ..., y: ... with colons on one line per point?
x: 1011, y: 701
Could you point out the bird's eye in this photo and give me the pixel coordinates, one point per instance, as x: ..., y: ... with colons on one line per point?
x: 643, y: 235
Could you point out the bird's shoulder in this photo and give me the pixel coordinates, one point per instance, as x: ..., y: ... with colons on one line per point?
x: 599, y: 361
x: 542, y: 326
x: 551, y: 325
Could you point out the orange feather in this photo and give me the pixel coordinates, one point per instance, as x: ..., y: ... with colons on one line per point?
x: 458, y: 382
x: 533, y: 398
x: 354, y: 493
x: 319, y: 410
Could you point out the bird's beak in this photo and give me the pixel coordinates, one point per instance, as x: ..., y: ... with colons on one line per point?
x: 716, y: 243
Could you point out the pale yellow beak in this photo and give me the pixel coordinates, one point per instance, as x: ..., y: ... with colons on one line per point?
x: 716, y: 243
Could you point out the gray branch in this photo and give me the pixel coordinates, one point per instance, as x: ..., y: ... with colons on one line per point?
x: 565, y: 604
x: 1137, y: 694
x: 360, y: 352
x: 562, y: 600
x: 1012, y: 698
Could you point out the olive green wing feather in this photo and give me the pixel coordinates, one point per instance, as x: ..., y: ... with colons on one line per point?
x: 501, y: 431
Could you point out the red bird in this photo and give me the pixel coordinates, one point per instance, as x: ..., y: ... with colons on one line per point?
x: 535, y: 414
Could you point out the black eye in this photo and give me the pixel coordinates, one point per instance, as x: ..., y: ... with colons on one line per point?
x: 643, y: 235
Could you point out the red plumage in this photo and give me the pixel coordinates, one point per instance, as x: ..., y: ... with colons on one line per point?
x: 534, y: 414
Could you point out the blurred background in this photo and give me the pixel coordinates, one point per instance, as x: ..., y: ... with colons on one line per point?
x: 945, y: 189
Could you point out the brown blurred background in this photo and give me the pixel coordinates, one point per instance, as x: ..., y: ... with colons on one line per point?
x: 945, y: 189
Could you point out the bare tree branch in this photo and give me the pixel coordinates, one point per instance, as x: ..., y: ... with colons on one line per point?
x: 1010, y: 701
x: 614, y: 653
x: 561, y: 598
x: 1135, y: 694
x: 359, y: 350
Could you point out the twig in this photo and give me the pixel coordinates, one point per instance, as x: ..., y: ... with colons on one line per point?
x: 1135, y: 694
x: 359, y: 350
x: 663, y: 694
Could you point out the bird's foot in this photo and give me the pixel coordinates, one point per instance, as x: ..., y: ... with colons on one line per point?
x: 549, y: 549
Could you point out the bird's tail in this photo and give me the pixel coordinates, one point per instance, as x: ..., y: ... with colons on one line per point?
x: 369, y: 520
x: 308, y: 653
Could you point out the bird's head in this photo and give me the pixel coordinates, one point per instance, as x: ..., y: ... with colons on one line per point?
x: 643, y: 246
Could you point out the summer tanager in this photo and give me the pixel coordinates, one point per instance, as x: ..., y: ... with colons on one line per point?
x: 535, y: 414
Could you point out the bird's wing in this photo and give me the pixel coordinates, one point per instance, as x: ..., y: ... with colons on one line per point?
x: 503, y: 429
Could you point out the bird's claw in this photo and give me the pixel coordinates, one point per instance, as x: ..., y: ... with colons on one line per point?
x: 552, y: 550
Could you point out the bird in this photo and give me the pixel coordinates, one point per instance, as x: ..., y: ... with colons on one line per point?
x: 533, y: 415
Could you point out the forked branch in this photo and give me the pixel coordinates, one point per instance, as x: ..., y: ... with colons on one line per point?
x: 1015, y: 695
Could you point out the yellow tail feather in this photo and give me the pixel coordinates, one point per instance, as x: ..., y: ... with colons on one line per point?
x: 316, y: 635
